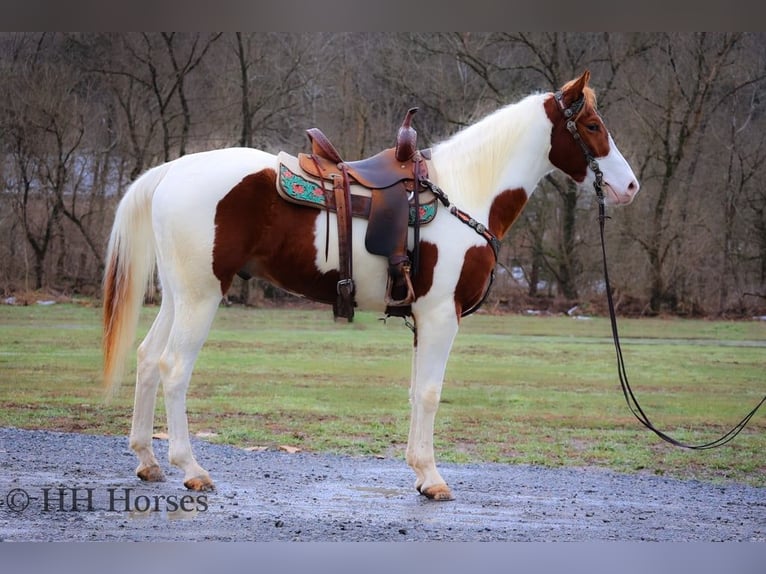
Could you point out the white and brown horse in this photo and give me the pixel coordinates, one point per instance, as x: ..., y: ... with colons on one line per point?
x: 203, y: 217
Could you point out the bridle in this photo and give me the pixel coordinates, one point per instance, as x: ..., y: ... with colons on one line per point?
x: 570, y: 114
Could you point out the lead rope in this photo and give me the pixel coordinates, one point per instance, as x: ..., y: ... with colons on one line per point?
x: 570, y: 114
x: 627, y: 391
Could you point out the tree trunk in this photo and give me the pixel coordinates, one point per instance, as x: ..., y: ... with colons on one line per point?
x: 568, y: 269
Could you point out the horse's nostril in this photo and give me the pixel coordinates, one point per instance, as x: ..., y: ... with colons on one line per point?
x: 633, y: 187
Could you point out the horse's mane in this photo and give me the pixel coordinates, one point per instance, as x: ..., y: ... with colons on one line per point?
x: 470, y: 163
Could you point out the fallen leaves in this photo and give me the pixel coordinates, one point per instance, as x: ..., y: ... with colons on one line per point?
x: 283, y: 447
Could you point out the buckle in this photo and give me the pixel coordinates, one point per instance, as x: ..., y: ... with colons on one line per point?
x: 345, y: 284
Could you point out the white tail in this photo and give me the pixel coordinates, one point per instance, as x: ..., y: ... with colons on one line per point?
x: 130, y: 262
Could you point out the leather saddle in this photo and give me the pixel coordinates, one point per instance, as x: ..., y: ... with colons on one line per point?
x: 384, y: 188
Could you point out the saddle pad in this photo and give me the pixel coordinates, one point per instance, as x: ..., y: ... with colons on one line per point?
x: 296, y: 186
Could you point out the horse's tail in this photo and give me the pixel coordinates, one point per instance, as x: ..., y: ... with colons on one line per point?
x: 130, y: 262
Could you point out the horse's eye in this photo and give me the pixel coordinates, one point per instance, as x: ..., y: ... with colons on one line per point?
x: 593, y: 128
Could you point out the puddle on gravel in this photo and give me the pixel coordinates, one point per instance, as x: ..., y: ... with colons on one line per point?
x: 373, y: 490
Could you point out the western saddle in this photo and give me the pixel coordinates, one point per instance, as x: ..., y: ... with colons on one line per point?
x: 394, y: 179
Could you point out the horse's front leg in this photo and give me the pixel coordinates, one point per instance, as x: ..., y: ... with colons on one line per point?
x: 433, y: 341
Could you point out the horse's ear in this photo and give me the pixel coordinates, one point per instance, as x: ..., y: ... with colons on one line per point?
x: 579, y: 84
x: 573, y: 90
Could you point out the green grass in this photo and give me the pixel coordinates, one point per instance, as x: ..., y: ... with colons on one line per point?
x: 539, y: 390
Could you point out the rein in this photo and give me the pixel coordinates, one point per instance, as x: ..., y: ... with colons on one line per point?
x: 627, y: 391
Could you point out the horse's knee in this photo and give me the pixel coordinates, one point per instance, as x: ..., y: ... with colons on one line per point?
x: 143, y: 352
x: 427, y: 398
x: 166, y: 364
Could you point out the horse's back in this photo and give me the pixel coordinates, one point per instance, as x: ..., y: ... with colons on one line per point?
x: 206, y: 177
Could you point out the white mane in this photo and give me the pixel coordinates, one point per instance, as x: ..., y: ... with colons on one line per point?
x: 505, y: 150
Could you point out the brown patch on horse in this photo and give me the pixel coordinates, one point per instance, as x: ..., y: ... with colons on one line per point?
x: 424, y: 278
x: 505, y: 209
x: 273, y: 239
x: 565, y: 152
x: 474, y: 276
x: 480, y: 260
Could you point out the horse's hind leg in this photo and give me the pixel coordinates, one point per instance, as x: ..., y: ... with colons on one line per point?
x: 435, y: 334
x: 191, y: 325
x: 147, y: 381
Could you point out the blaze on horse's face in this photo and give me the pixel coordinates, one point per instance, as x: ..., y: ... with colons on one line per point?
x: 620, y: 184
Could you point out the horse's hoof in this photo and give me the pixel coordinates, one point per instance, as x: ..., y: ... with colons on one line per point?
x: 200, y: 484
x: 440, y: 492
x: 151, y: 473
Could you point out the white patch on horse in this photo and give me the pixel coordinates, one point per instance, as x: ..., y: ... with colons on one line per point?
x: 369, y: 271
x: 619, y: 182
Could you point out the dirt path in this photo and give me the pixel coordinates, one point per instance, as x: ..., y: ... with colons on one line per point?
x: 59, y: 486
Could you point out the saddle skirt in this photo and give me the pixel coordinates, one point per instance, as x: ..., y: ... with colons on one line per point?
x: 297, y: 185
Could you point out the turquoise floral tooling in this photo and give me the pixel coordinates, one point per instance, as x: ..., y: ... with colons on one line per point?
x: 427, y: 213
x: 307, y: 191
x: 299, y: 188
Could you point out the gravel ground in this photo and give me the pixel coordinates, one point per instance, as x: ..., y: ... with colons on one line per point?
x: 60, y: 486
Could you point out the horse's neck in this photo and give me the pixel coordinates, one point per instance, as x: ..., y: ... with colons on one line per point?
x: 506, y: 150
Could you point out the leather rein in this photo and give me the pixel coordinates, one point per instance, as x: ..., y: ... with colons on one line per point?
x: 570, y: 114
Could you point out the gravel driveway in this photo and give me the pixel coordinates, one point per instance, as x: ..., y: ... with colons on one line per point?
x: 61, y: 486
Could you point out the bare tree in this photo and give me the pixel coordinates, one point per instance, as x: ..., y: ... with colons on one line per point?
x: 45, y: 133
x: 739, y: 222
x: 679, y: 95
x: 156, y: 68
x: 81, y: 114
x: 274, y: 76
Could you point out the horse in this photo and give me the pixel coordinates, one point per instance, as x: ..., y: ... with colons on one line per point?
x: 200, y: 219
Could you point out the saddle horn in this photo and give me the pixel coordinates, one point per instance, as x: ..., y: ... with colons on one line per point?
x: 406, y: 138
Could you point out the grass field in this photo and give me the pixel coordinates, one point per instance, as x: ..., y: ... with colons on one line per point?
x: 539, y: 390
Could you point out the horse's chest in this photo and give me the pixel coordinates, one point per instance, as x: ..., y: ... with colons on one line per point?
x: 473, y: 281
x: 445, y: 270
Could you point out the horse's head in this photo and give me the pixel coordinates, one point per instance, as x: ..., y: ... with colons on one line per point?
x: 579, y: 132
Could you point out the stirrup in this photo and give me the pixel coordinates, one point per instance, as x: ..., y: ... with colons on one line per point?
x: 409, y: 298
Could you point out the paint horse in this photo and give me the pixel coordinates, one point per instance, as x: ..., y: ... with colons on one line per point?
x: 202, y: 218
